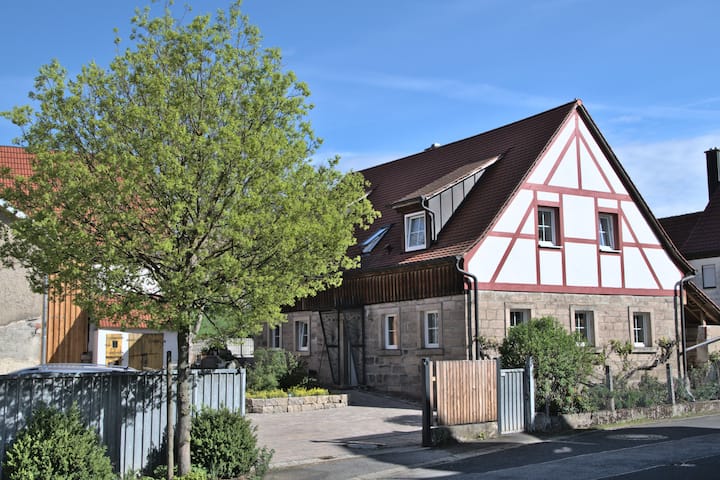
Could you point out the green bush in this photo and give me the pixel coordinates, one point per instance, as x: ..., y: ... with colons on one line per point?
x: 225, y: 445
x: 562, y: 362
x: 56, y: 445
x: 273, y: 369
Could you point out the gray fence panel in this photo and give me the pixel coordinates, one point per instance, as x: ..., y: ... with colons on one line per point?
x: 511, y: 400
x: 127, y: 409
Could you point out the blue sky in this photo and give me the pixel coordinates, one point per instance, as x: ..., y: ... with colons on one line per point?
x: 389, y: 78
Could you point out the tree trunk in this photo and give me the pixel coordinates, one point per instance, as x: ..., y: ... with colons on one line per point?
x: 183, y: 402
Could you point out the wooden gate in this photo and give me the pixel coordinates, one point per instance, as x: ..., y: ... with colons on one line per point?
x: 459, y: 392
x: 465, y: 391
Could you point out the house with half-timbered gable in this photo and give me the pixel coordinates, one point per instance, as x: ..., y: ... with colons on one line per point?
x: 535, y: 218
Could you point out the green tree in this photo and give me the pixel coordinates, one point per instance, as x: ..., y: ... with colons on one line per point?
x: 562, y: 362
x: 176, y: 185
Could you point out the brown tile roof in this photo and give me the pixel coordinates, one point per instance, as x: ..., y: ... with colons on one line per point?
x: 704, y: 238
x: 518, y: 145
x: 679, y: 227
x: 17, y: 160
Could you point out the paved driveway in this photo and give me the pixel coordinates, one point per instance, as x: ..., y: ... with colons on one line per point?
x: 370, y: 424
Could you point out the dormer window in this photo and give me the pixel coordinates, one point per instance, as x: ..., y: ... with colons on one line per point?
x: 415, y: 237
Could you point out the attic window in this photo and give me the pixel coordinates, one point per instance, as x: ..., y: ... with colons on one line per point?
x: 374, y: 239
x: 415, y: 237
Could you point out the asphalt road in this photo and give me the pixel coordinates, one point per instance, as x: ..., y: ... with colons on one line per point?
x: 686, y: 448
x: 678, y: 449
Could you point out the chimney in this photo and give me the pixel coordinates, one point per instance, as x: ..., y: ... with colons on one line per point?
x: 712, y: 157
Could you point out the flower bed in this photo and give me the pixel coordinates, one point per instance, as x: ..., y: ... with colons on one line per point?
x: 294, y: 404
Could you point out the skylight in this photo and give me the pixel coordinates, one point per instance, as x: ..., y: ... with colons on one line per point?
x: 374, y: 239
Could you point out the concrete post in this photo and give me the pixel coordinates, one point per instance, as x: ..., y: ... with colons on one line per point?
x: 610, y: 387
x: 426, y: 406
x: 529, y: 385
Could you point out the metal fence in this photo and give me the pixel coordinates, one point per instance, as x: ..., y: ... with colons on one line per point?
x: 127, y: 409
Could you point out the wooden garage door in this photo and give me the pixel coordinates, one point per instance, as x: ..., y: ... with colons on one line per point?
x: 146, y: 351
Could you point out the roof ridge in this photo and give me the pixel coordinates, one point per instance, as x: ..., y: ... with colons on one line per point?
x: 487, y: 132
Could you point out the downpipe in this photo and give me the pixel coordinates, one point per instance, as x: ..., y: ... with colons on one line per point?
x: 476, y: 310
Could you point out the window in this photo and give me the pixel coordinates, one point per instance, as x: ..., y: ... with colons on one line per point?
x: 374, y: 239
x: 584, y: 325
x: 390, y: 328
x: 275, y: 337
x: 415, y: 231
x: 432, y: 330
x: 641, y: 329
x: 547, y: 226
x: 708, y: 276
x: 519, y: 316
x: 606, y: 229
x: 302, y: 335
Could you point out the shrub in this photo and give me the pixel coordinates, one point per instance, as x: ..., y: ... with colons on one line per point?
x: 562, y: 362
x: 225, y: 445
x: 273, y: 369
x: 56, y: 445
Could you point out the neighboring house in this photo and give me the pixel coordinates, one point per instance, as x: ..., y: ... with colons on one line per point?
x: 21, y: 310
x: 68, y: 334
x: 697, y: 236
x: 536, y: 218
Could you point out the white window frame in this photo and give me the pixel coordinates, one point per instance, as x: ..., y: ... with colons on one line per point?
x: 606, y: 233
x: 584, y: 324
x: 412, y: 238
x: 428, y: 328
x: 544, y: 227
x: 709, y: 280
x: 275, y: 333
x: 641, y: 329
x: 302, y: 335
x: 522, y: 313
x: 391, y: 331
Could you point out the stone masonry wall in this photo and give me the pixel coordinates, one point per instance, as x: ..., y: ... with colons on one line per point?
x: 398, y: 370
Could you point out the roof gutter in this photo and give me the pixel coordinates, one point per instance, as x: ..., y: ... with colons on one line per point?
x: 476, y: 315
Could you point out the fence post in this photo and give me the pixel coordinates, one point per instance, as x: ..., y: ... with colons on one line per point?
x: 611, y: 389
x: 426, y: 409
x: 498, y: 363
x: 670, y: 384
x: 529, y: 387
x: 170, y: 439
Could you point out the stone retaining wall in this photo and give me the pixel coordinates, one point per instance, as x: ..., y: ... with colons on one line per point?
x: 604, y: 417
x: 295, y: 404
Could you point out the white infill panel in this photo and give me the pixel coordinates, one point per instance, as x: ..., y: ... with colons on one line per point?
x: 551, y: 266
x: 664, y: 268
x: 519, y: 266
x: 581, y: 265
x: 610, y: 174
x: 487, y: 258
x: 590, y: 176
x: 638, y: 224
x: 566, y: 174
x: 513, y: 214
x: 610, y: 271
x: 543, y: 168
x: 579, y: 217
x: 637, y: 274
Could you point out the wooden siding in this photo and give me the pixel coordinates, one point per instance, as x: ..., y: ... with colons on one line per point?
x: 465, y: 391
x: 428, y: 280
x: 67, y: 331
